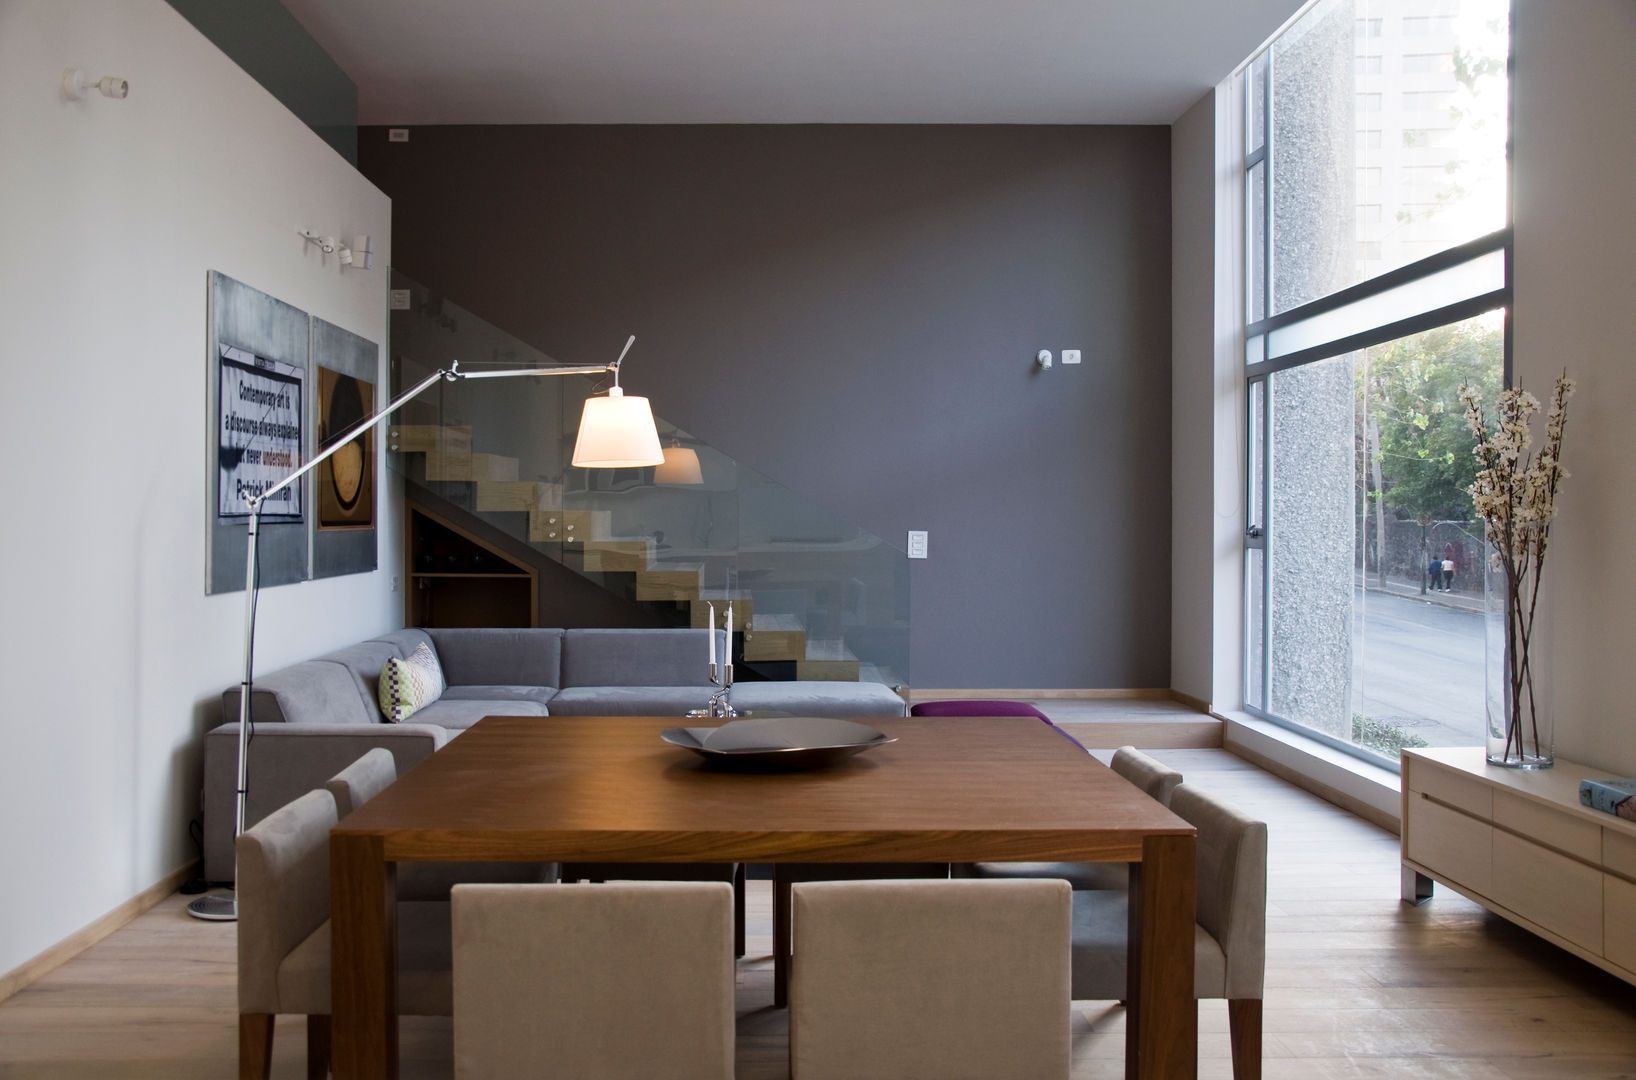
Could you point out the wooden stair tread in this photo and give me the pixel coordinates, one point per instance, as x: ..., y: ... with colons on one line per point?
x: 776, y: 637
x: 671, y: 572
x: 517, y: 495
x: 426, y: 438
x: 743, y: 606
x: 670, y: 581
x: 828, y: 650
x: 779, y: 623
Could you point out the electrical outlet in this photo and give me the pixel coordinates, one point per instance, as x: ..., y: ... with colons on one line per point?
x: 1070, y: 356
x: 917, y: 543
x: 397, y: 134
x: 397, y: 583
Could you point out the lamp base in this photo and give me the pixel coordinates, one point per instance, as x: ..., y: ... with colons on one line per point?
x: 215, y: 907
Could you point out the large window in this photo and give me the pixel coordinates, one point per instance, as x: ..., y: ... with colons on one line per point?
x: 1377, y: 278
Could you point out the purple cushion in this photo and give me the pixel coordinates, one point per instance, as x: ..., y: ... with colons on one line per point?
x: 987, y: 708
x: 976, y: 708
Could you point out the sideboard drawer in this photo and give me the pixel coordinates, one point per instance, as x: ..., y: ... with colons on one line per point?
x: 1619, y: 852
x: 1451, y: 844
x: 1619, y: 921
x: 1457, y: 789
x: 1549, y: 826
x: 1560, y: 894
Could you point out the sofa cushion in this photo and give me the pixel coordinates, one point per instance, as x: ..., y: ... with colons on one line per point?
x: 628, y: 700
x: 539, y: 694
x: 311, y: 692
x: 404, y: 641
x: 458, y: 715
x: 407, y: 686
x: 511, y: 657
x: 845, y: 700
x: 365, y: 662
x: 636, y: 658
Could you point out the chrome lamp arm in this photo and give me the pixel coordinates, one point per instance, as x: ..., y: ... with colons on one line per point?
x: 227, y: 909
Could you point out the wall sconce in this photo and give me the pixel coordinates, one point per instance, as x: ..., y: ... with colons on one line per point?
x: 75, y: 86
x: 358, y: 255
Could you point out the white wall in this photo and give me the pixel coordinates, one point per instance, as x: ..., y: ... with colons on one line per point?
x: 111, y: 656
x: 1575, y: 276
x: 1206, y: 515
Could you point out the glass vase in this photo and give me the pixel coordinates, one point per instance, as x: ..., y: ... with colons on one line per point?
x: 1520, y: 728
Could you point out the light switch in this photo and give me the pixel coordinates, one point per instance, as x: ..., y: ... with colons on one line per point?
x: 917, y: 543
x: 1070, y: 356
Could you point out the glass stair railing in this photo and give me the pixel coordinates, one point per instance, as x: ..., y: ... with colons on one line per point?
x: 814, y: 596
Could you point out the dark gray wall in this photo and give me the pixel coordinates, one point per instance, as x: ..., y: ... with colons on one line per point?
x: 265, y: 40
x: 854, y: 311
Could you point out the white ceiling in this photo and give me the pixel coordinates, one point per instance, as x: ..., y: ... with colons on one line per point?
x: 785, y: 61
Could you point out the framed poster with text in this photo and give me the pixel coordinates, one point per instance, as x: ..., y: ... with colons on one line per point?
x: 257, y: 357
x: 259, y: 425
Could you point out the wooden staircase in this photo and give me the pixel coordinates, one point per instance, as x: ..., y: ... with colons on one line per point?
x: 586, y: 536
x: 776, y: 638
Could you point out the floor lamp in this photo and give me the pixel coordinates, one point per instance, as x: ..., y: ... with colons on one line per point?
x: 615, y: 432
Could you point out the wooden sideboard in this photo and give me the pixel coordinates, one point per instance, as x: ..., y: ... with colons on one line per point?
x: 1520, y: 844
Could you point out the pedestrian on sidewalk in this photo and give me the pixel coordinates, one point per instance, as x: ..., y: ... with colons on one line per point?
x: 1448, y: 574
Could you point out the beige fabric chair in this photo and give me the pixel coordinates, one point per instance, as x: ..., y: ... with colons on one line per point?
x: 1229, y: 941
x: 732, y: 873
x: 958, y: 980
x: 785, y: 875
x: 1154, y: 777
x: 374, y: 773
x: 284, y: 936
x: 598, y: 981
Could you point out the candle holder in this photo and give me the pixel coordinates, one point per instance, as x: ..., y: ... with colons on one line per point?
x: 720, y: 677
x: 720, y: 707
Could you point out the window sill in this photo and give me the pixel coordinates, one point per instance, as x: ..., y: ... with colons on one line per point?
x: 1370, y: 791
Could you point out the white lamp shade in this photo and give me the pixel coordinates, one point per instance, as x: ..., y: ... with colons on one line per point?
x: 617, y: 432
x: 681, y: 466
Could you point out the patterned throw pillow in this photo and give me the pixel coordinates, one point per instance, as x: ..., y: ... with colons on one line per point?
x: 409, y: 685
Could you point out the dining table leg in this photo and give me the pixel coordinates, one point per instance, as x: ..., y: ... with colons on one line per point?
x: 1162, y: 1022
x: 363, y: 960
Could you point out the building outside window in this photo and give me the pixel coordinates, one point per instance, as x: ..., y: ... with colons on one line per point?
x: 1377, y: 278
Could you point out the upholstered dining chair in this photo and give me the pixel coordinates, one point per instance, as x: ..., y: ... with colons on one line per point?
x: 787, y: 875
x: 1154, y: 777
x: 1230, y: 938
x: 615, y: 982
x: 372, y: 774
x: 960, y: 980
x: 284, y: 936
x: 731, y: 873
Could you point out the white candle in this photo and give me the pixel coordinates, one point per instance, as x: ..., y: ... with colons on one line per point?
x: 729, y: 657
x: 713, y: 632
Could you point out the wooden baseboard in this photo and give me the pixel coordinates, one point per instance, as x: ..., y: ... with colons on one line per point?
x: 71, y: 946
x: 1143, y: 694
x: 1190, y: 701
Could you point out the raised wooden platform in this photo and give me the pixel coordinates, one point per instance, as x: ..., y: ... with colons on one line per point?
x: 1104, y: 720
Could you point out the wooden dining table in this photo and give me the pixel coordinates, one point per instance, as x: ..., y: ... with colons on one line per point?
x: 608, y: 789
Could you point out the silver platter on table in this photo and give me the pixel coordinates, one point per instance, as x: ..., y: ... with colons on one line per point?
x: 777, y: 744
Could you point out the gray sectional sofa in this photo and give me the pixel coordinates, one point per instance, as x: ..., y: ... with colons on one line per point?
x: 312, y: 719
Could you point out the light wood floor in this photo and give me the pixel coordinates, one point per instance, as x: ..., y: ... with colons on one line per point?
x: 1358, y: 985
